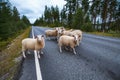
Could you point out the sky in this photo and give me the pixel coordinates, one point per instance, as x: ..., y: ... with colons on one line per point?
x: 34, y: 9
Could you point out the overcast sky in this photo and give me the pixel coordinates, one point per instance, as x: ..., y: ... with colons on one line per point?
x: 33, y: 9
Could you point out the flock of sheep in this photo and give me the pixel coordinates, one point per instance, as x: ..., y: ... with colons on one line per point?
x: 65, y: 38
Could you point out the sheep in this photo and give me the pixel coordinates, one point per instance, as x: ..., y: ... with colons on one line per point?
x: 60, y: 31
x: 70, y: 41
x: 66, y: 32
x: 54, y: 33
x: 77, y: 32
x: 33, y: 44
x: 59, y: 28
x: 51, y: 33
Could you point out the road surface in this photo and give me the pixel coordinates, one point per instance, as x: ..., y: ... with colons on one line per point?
x: 97, y: 58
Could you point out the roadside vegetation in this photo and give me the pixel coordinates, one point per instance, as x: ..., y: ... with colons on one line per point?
x: 11, y: 25
x: 8, y: 57
x: 13, y: 29
x: 96, y: 16
x: 109, y: 34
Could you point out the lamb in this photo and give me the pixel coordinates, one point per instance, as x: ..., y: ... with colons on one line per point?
x: 70, y: 41
x: 33, y: 44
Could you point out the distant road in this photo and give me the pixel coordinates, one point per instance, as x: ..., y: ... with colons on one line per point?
x: 98, y: 58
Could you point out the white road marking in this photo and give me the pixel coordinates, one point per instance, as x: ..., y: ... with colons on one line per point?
x: 37, y: 65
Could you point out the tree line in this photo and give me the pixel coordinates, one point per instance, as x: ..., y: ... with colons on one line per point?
x: 50, y: 17
x: 88, y: 15
x: 10, y: 22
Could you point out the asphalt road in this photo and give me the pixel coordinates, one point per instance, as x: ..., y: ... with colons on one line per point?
x: 98, y: 58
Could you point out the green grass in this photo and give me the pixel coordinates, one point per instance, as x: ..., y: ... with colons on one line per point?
x: 4, y: 43
x: 106, y: 34
x: 7, y: 55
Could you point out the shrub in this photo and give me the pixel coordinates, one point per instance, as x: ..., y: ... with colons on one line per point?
x: 21, y: 25
x: 88, y: 27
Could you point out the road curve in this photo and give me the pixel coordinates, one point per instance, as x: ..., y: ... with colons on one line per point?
x: 98, y: 58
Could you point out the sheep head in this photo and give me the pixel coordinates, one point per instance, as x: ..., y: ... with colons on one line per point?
x: 60, y: 31
x: 76, y: 38
x: 39, y: 38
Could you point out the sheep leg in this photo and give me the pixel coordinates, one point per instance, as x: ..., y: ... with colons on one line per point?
x: 57, y: 39
x: 80, y: 40
x: 60, y: 49
x: 48, y: 38
x: 38, y: 54
x: 24, y: 54
x: 41, y: 52
x: 28, y: 51
x: 77, y: 43
x: 74, y: 51
x: 67, y: 48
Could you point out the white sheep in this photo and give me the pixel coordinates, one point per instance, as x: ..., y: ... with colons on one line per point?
x: 51, y: 33
x: 66, y: 32
x: 77, y: 32
x: 68, y: 41
x: 54, y: 33
x: 60, y: 31
x: 33, y: 44
x: 59, y: 28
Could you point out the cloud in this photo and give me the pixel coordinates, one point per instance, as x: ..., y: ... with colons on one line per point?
x: 26, y: 11
x: 33, y: 9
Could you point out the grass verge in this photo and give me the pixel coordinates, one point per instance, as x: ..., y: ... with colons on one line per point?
x: 117, y: 35
x: 8, y: 55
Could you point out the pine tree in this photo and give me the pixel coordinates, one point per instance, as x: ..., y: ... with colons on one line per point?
x: 25, y: 20
x: 78, y: 19
x: 104, y: 14
x: 16, y: 14
x: 112, y: 11
x: 95, y: 10
x: 70, y: 10
x: 5, y: 24
x: 85, y: 6
x: 56, y: 16
x: 63, y: 17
